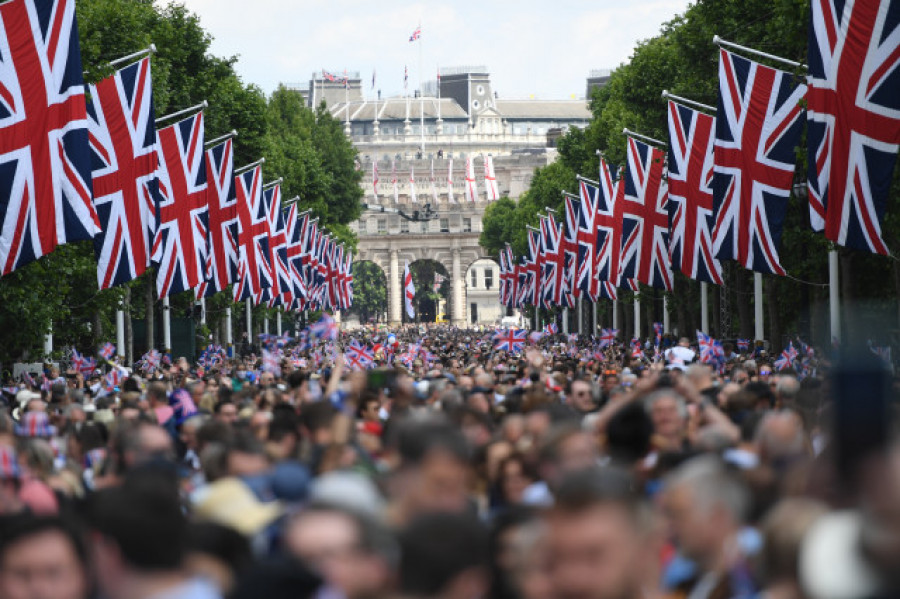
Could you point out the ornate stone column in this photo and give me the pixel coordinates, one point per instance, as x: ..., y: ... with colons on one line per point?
x: 394, y: 290
x: 457, y: 313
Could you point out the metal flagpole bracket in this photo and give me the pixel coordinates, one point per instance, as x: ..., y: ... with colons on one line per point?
x: 690, y: 103
x: 192, y: 109
x: 291, y: 201
x: 575, y: 196
x: 551, y: 210
x: 791, y: 63
x: 649, y: 140
x: 221, y: 138
x: 586, y: 180
x: 272, y: 184
x: 149, y: 50
x: 247, y: 167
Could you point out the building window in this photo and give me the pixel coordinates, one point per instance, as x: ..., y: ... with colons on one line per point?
x: 488, y: 278
x: 467, y: 225
x: 445, y: 225
x: 474, y: 278
x: 404, y: 225
x: 382, y: 226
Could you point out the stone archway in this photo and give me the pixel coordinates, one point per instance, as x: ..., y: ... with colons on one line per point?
x: 454, y: 251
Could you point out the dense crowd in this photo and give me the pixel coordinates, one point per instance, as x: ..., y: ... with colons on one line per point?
x: 559, y: 472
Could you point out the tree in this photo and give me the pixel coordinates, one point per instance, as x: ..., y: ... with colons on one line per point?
x: 369, y: 291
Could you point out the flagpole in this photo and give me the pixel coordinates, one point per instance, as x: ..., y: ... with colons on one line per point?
x: 690, y: 103
x: 167, y: 325
x: 649, y: 140
x: 149, y: 50
x: 120, y: 330
x: 48, y: 341
x: 791, y: 63
x: 834, y: 300
x: 704, y: 307
x: 229, y: 341
x: 278, y: 323
x: 247, y: 167
x: 249, y: 318
x: 220, y: 139
x: 615, y: 318
x: 565, y: 321
x: 637, y: 316
x: 594, y: 318
x: 758, y: 305
x: 188, y: 110
x: 580, y: 316
x: 665, y: 314
x: 421, y: 95
x: 272, y: 184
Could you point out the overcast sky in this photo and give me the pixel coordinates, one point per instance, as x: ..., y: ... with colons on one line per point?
x: 534, y: 48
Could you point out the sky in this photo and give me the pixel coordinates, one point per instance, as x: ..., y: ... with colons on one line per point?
x: 532, y: 48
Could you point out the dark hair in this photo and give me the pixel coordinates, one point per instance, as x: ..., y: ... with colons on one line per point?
x: 296, y: 378
x: 594, y: 486
x: 143, y: 517
x: 317, y: 415
x: 221, y: 542
x: 415, y: 439
x: 628, y: 434
x: 26, y: 526
x: 436, y: 548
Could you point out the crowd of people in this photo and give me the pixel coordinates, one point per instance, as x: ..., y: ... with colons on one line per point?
x: 560, y: 472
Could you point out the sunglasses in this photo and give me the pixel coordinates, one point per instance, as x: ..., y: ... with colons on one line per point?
x: 765, y: 372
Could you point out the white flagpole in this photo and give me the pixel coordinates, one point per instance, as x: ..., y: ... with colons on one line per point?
x: 249, y: 319
x: 834, y: 300
x: 120, y: 331
x: 421, y: 95
x: 594, y: 318
x: 167, y: 325
x: 637, y: 317
x: 151, y: 49
x: 278, y: 323
x: 665, y: 314
x: 786, y: 61
x: 704, y: 308
x: 48, y: 341
x: 229, y: 341
x: 190, y: 109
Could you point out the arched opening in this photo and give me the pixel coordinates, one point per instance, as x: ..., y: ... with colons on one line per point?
x: 483, y: 293
x: 432, y: 283
x: 370, y: 293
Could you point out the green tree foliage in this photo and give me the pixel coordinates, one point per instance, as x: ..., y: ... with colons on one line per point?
x: 369, y: 291
x: 426, y: 299
x: 683, y: 60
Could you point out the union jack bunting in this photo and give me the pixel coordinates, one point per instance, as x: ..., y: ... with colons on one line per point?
x: 439, y: 280
x: 471, y: 188
x: 645, y: 224
x: 45, y: 184
x: 255, y: 272
x: 608, y: 337
x: 124, y: 161
x: 179, y: 247
x: 758, y: 125
x: 511, y: 341
x: 853, y: 118
x: 690, y: 194
x: 295, y: 233
x: 222, y: 250
x: 491, y: 190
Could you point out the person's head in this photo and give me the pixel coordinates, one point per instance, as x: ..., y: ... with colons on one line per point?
x: 784, y: 528
x: 144, y: 442
x: 157, y: 394
x: 138, y: 530
x: 266, y: 379
x: 780, y: 437
x: 786, y: 389
x: 581, y: 396
x: 513, y: 477
x: 700, y: 376
x: 668, y: 412
x: 42, y: 558
x: 444, y: 556
x: 566, y: 448
x: 354, y: 553
x: 434, y: 467
x: 610, y: 380
x: 226, y: 412
x: 705, y: 504
x: 599, y: 537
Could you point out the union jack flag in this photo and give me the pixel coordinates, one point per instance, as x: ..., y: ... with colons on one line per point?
x: 711, y: 350
x: 787, y: 357
x: 359, y: 357
x: 853, y: 118
x: 690, y: 193
x: 280, y: 291
x: 179, y: 247
x: 83, y: 364
x: 608, y: 337
x: 882, y: 352
x: 658, y: 331
x: 511, y: 341
x: 743, y: 345
x: 107, y: 351
x: 325, y: 328
x: 222, y: 252
x: 551, y: 328
x: 645, y: 224
x: 570, y: 250
x: 46, y: 181
x: 124, y: 162
x: 599, y: 235
x: 758, y: 125
x: 295, y: 233
x: 416, y: 34
x: 271, y: 361
x: 553, y: 274
x: 151, y: 360
x: 636, y: 350
x: 182, y: 404
x: 113, y: 379
x: 255, y: 272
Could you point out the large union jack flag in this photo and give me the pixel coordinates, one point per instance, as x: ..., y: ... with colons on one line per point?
x: 599, y: 236
x: 690, y: 193
x: 124, y: 162
x: 645, y: 224
x: 221, y: 258
x: 853, y: 118
x: 758, y: 125
x: 553, y: 271
x: 45, y: 164
x: 281, y: 291
x: 179, y: 247
x: 295, y: 235
x: 254, y: 270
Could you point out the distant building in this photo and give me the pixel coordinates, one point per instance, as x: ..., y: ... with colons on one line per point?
x: 596, y: 80
x: 415, y: 140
